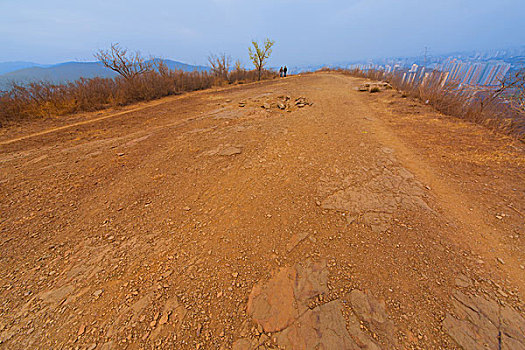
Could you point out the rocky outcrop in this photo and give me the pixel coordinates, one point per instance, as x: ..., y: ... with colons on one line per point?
x: 291, y: 307
x: 372, y: 195
x: 481, y: 323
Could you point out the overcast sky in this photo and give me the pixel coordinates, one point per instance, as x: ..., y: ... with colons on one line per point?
x: 305, y: 31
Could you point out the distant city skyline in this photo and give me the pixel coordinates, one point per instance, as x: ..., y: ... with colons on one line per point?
x: 479, y: 71
x: 306, y: 32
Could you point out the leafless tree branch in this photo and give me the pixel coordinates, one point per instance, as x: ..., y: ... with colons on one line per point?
x: 127, y: 64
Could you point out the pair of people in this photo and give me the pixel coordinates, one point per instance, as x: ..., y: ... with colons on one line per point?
x: 283, y: 71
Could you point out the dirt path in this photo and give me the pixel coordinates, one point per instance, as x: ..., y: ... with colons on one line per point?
x: 295, y: 213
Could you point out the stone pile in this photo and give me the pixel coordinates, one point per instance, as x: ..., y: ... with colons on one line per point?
x: 287, y: 103
x: 374, y: 86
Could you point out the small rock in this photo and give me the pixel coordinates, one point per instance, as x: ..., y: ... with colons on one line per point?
x: 186, y: 208
x: 120, y: 154
x: 281, y: 106
x: 164, y: 318
x: 230, y: 151
x: 199, y: 329
x: 81, y: 330
x: 500, y: 260
x: 295, y: 240
x: 235, y: 274
x: 351, y: 218
x: 462, y: 281
x: 98, y: 293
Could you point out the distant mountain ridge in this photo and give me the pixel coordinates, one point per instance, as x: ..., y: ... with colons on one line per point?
x: 67, y: 71
x: 7, y: 67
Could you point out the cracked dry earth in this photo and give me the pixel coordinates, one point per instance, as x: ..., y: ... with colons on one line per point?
x: 297, y: 213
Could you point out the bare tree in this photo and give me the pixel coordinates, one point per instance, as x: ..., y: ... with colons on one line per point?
x: 258, y: 55
x: 220, y: 65
x: 512, y: 89
x: 161, y: 67
x: 238, y: 66
x: 127, y: 64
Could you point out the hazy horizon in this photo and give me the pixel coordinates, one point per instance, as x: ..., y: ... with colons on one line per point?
x: 306, y: 32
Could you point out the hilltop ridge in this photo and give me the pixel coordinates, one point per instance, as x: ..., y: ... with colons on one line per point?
x: 295, y: 213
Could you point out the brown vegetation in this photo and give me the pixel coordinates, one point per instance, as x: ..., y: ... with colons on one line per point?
x: 513, y: 89
x: 485, y: 107
x: 220, y: 65
x: 138, y: 81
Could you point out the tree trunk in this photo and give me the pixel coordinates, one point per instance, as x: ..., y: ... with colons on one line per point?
x: 260, y: 68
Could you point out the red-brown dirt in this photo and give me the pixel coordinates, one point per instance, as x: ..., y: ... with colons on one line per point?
x: 157, y: 225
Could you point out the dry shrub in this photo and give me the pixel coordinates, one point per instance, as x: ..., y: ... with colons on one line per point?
x: 482, y: 106
x: 220, y: 65
x: 43, y: 99
x: 244, y: 76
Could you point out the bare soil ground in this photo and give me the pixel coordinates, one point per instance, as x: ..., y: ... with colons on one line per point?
x: 296, y: 213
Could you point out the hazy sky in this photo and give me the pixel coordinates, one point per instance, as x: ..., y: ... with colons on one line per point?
x: 306, y: 31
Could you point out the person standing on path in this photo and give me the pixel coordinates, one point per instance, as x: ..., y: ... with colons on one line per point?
x: 281, y: 72
x: 285, y: 70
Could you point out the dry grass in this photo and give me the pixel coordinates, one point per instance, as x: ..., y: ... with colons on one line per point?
x: 43, y: 99
x: 481, y: 107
